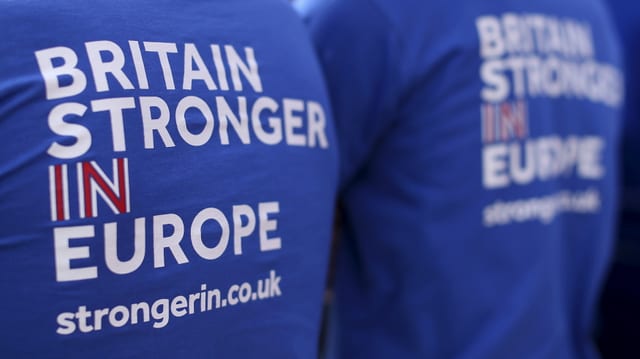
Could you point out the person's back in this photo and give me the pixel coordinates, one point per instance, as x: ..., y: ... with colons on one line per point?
x: 478, y: 144
x: 167, y: 178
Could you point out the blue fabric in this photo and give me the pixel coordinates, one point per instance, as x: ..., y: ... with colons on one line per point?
x: 478, y: 143
x: 175, y: 206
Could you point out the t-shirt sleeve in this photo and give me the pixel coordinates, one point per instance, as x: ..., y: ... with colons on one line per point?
x: 359, y: 52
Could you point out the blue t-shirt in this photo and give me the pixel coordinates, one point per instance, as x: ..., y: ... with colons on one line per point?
x: 477, y: 143
x: 167, y: 179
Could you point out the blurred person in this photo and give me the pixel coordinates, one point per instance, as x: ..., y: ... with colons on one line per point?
x: 478, y: 144
x: 167, y: 180
x: 619, y: 336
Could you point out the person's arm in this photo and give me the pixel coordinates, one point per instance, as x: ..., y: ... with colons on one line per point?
x: 358, y: 49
